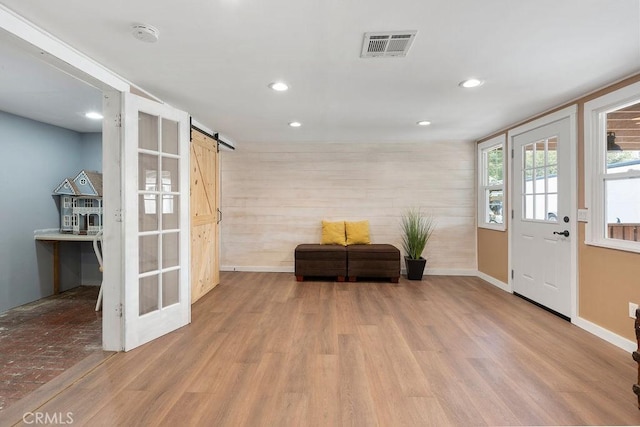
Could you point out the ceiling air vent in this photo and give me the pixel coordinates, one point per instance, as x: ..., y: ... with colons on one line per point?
x: 385, y: 44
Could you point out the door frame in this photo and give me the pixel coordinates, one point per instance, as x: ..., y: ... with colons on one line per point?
x: 569, y: 112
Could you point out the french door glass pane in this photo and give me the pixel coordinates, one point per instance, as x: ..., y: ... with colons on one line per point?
x: 148, y: 294
x: 169, y: 136
x: 170, y: 250
x: 170, y: 288
x: 147, y: 131
x: 170, y: 182
x: 147, y: 172
x: 148, y: 212
x: 158, y: 185
x: 148, y: 253
x: 170, y: 211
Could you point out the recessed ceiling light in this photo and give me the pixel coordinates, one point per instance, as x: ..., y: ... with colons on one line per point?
x: 295, y: 124
x: 279, y: 86
x: 93, y: 115
x: 423, y: 123
x: 469, y: 83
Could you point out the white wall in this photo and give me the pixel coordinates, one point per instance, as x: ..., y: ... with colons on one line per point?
x: 274, y: 197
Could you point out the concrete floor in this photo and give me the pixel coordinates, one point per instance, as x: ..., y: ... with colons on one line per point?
x: 40, y: 340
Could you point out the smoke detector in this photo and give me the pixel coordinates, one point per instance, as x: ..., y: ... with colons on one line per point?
x: 145, y: 33
x: 387, y: 44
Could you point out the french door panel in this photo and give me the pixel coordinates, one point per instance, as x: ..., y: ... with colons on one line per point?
x: 156, y: 297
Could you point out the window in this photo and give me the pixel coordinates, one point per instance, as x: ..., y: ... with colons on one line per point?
x: 540, y: 178
x: 491, y: 183
x: 66, y: 221
x: 88, y: 203
x: 612, y: 168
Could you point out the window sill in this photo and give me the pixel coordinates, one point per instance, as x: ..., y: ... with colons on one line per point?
x: 495, y: 227
x: 622, y: 245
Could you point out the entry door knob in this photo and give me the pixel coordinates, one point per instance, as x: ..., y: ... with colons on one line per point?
x: 564, y: 233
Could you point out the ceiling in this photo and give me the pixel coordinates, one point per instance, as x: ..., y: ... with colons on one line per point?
x: 29, y: 87
x: 215, y: 59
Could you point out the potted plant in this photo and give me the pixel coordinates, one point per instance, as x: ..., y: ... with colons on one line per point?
x: 416, y: 231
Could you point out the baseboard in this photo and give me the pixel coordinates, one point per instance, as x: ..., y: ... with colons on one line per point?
x: 447, y: 272
x: 256, y: 269
x: 428, y: 271
x: 495, y: 282
x: 605, y: 334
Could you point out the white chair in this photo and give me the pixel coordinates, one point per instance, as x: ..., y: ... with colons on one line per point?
x: 97, y: 248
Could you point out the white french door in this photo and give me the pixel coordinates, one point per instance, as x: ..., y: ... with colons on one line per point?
x: 156, y: 297
x: 543, y: 223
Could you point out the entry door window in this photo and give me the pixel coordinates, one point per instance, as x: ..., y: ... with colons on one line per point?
x: 540, y: 180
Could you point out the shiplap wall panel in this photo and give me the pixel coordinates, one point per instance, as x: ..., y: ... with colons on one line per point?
x: 274, y: 196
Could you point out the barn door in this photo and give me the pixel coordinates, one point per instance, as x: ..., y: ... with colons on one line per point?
x: 205, y: 193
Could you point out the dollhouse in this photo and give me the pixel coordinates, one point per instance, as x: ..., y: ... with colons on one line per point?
x: 81, y: 203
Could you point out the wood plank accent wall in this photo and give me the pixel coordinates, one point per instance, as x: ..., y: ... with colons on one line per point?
x: 275, y: 196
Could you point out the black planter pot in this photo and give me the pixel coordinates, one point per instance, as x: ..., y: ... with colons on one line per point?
x: 415, y: 267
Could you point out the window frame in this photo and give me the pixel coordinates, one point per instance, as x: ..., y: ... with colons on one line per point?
x: 499, y: 141
x: 596, y: 178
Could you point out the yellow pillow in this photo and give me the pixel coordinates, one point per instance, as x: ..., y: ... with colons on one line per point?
x: 333, y: 233
x: 357, y: 232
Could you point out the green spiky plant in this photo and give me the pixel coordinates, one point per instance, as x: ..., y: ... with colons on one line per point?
x: 417, y: 229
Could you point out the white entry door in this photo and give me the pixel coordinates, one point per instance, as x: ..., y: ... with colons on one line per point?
x: 543, y: 225
x: 156, y: 220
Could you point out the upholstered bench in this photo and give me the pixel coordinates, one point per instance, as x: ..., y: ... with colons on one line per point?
x: 364, y: 261
x: 374, y: 260
x: 320, y: 260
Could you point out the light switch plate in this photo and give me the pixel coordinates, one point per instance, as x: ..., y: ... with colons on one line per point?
x: 583, y: 215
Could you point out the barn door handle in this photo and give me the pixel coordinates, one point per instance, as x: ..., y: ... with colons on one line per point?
x: 219, y: 216
x: 564, y: 233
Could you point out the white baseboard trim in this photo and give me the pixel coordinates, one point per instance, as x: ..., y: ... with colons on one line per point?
x: 256, y: 269
x: 449, y: 272
x: 428, y: 271
x: 605, y: 334
x: 444, y: 272
x: 495, y: 282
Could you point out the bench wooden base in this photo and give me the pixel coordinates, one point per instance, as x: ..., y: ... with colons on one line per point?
x: 338, y: 279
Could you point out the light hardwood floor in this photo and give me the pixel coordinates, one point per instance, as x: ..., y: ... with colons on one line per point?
x: 264, y: 349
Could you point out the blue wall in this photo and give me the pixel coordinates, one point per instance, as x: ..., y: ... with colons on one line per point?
x: 34, y: 158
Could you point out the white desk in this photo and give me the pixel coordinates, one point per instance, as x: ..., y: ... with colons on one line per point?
x: 55, y: 239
